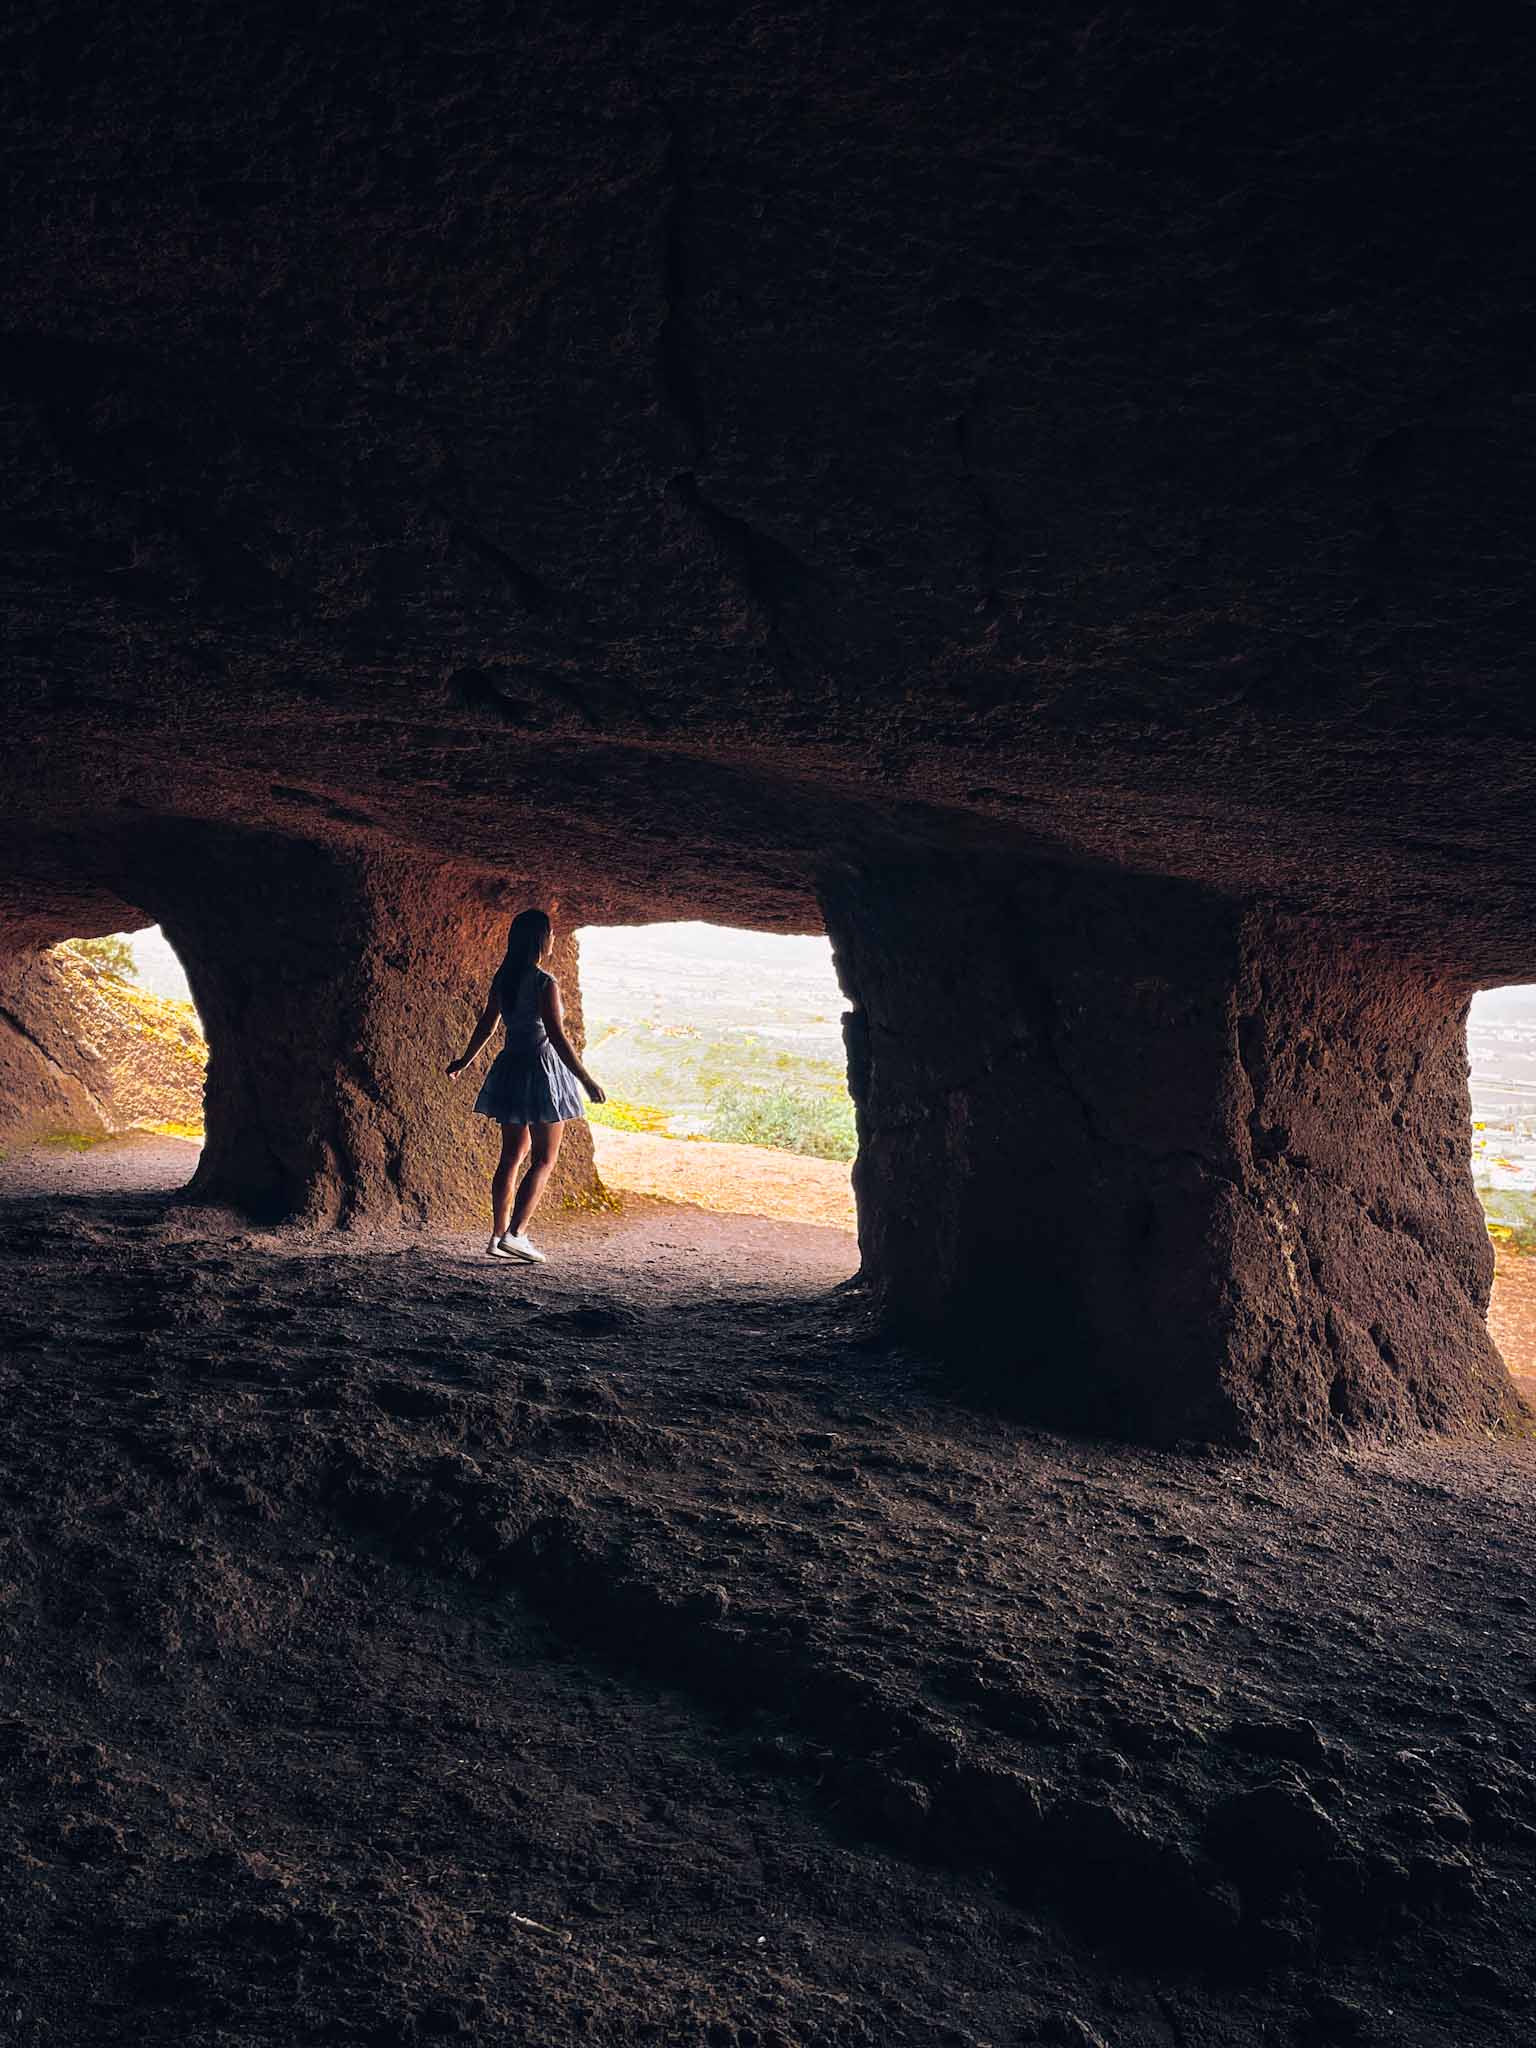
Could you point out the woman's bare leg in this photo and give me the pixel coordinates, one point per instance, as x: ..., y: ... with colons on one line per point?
x: 513, y: 1139
x: 545, y: 1142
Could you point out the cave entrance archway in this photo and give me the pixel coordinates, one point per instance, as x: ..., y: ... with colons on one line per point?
x: 1265, y: 1124
x: 137, y: 1020
x: 100, y: 1041
x: 1501, y: 1055
x: 722, y: 1053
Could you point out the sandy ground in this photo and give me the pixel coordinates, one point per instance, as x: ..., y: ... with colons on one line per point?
x: 1512, y: 1316
x: 396, y: 1646
x: 745, y: 1180
x: 665, y: 1249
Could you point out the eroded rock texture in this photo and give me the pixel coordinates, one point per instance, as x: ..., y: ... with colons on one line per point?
x: 659, y: 464
x: 330, y: 1026
x: 51, y: 1074
x: 1145, y: 1159
x: 83, y: 1053
x: 335, y: 985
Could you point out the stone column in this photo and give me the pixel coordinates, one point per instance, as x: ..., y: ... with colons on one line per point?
x: 1142, y: 1159
x: 334, y: 987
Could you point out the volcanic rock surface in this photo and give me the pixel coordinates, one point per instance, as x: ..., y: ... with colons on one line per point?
x: 1043, y: 494
x: 85, y: 1054
x: 397, y: 1647
x: 722, y: 462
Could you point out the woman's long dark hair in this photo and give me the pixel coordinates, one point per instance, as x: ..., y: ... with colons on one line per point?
x: 526, y: 940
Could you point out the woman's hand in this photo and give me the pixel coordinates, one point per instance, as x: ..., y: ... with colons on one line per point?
x: 594, y: 1093
x: 455, y: 1068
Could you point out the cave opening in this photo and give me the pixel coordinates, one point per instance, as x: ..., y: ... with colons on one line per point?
x: 721, y: 1050
x: 101, y: 1043
x: 1501, y: 1058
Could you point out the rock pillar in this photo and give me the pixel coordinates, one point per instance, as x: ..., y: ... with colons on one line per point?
x: 334, y: 988
x: 1145, y: 1160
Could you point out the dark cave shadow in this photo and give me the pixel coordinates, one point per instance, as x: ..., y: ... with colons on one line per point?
x: 96, y: 1201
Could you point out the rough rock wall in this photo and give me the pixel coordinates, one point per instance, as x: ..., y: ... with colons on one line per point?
x: 334, y: 985
x: 1140, y: 1159
x: 1110, y: 427
x: 705, y: 454
x: 1361, y: 1263
x: 335, y: 989
x: 84, y: 1052
x: 50, y: 1081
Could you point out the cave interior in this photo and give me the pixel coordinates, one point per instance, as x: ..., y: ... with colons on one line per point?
x: 1041, y: 495
x: 1076, y: 557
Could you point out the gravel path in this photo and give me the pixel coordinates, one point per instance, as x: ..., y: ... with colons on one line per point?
x: 744, y: 1180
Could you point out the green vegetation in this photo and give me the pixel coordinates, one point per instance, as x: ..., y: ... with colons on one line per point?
x: 75, y: 1141
x: 787, y: 1120
x: 746, y: 1086
x: 630, y: 1116
x: 705, y: 1034
x: 681, y: 1071
x: 1511, y: 1218
x: 114, y: 953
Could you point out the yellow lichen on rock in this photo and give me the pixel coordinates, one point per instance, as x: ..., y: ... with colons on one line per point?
x: 151, y: 1048
x: 100, y: 1054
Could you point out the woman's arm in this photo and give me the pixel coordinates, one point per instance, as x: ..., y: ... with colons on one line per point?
x: 554, y: 1023
x: 483, y: 1030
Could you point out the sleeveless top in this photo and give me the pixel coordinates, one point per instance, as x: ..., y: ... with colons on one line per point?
x: 521, y: 1005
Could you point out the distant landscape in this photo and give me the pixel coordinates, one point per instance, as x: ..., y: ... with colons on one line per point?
x: 156, y: 966
x: 1501, y: 1043
x: 701, y: 1032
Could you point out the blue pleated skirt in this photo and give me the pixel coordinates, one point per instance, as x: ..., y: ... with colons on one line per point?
x: 529, y: 1088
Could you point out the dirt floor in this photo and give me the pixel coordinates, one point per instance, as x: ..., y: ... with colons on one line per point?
x: 748, y: 1180
x: 1512, y: 1316
x: 743, y: 1180
x: 399, y: 1646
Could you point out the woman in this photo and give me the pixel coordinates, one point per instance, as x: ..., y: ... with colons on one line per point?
x: 529, y: 1090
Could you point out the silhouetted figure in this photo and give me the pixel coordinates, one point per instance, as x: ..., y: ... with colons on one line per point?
x: 529, y: 1090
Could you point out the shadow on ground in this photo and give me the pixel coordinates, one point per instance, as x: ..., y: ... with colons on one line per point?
x: 401, y: 1647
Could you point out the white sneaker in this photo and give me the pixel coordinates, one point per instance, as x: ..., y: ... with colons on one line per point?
x: 512, y: 1247
x: 494, y: 1250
